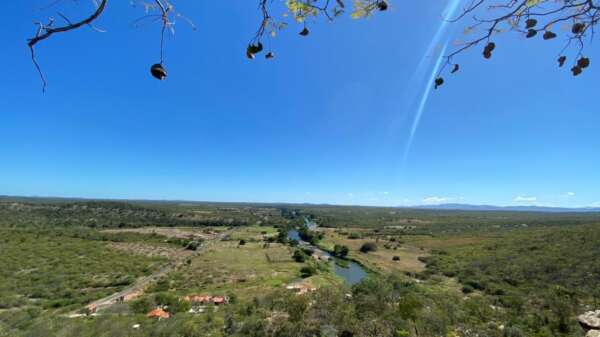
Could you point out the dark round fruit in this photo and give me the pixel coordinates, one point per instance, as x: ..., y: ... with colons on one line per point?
x: 577, y: 28
x: 455, y: 69
x: 305, y: 32
x: 255, y: 48
x: 487, y: 54
x: 561, y: 61
x: 549, y: 35
x: 382, y: 5
x: 158, y: 71
x: 583, y: 62
x: 576, y: 70
x: 530, y: 23
x: 490, y: 46
x: 531, y: 33
x: 269, y: 55
x: 438, y: 81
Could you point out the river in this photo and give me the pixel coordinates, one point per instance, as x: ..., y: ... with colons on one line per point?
x: 351, y: 272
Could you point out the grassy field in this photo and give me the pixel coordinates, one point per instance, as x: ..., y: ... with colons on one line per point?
x: 245, y: 270
x: 382, y: 259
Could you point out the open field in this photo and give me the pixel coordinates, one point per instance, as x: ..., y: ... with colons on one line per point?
x: 382, y: 259
x: 144, y: 249
x: 205, y: 233
x: 245, y: 270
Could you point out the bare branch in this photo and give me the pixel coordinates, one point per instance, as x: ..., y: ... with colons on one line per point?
x: 45, y: 31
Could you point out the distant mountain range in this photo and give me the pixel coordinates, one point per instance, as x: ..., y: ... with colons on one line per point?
x: 467, y: 207
x: 441, y: 207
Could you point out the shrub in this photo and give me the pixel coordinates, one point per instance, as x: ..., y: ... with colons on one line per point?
x: 307, y: 271
x: 340, y: 251
x: 193, y: 245
x: 354, y: 236
x: 368, y: 247
x: 299, y: 256
x: 142, y: 305
x: 467, y: 289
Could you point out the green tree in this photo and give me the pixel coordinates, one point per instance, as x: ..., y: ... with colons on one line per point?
x: 142, y: 305
x: 340, y: 251
x: 299, y: 256
x: 368, y: 247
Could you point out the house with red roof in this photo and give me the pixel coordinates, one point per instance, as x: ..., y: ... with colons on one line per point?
x: 158, y: 313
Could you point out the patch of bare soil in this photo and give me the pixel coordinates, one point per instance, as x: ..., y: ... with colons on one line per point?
x: 151, y: 250
x: 171, y: 232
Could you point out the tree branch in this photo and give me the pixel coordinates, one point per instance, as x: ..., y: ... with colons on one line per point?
x: 45, y: 31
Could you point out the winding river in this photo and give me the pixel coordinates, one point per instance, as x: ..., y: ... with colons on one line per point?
x: 351, y: 272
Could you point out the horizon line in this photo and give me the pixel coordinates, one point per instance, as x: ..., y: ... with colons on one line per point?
x: 414, y: 206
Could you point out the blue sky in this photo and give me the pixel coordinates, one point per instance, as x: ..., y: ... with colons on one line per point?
x: 327, y: 121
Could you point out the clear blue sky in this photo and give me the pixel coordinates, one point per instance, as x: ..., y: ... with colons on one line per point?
x: 327, y: 121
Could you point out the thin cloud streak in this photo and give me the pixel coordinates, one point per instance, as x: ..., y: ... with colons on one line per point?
x: 449, y: 12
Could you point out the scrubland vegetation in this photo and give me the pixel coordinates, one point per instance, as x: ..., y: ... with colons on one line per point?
x: 449, y: 274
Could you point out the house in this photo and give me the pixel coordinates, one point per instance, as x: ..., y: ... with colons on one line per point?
x: 301, y: 289
x: 158, y: 313
x: 218, y: 300
x: 206, y: 299
x: 198, y: 299
x: 197, y: 309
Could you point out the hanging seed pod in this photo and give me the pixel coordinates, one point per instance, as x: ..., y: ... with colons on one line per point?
x: 255, y: 48
x: 382, y: 5
x: 548, y: 35
x: 455, y: 69
x: 487, y: 50
x: 158, y: 71
x: 576, y: 70
x: 490, y: 46
x: 259, y: 48
x: 561, y: 61
x: 269, y: 55
x: 583, y: 62
x: 305, y: 32
x: 530, y: 23
x: 578, y: 28
x: 438, y: 82
x: 531, y: 33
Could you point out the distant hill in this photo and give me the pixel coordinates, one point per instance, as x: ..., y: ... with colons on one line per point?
x: 467, y: 207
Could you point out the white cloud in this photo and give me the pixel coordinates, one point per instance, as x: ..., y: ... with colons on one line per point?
x: 570, y: 194
x: 350, y: 195
x: 523, y: 198
x: 386, y: 193
x: 435, y: 200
